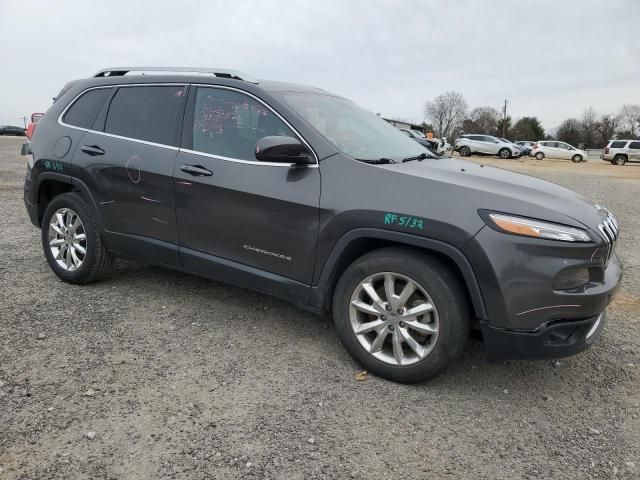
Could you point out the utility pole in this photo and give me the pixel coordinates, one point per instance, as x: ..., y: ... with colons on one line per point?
x: 504, y: 119
x: 24, y: 120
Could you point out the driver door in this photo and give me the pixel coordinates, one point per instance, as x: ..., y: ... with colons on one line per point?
x: 233, y: 210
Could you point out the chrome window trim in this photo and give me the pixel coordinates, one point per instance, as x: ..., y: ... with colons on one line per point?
x: 247, y: 162
x: 244, y: 92
x: 171, y: 147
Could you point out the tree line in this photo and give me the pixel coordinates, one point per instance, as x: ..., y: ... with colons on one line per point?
x: 448, y: 115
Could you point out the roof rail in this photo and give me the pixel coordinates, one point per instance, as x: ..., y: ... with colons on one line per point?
x: 218, y: 72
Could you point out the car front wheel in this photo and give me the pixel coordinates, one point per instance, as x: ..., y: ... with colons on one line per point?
x: 464, y: 151
x: 539, y: 156
x: 504, y: 153
x: 401, y: 315
x: 576, y: 158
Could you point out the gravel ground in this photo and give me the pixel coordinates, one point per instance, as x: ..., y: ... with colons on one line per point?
x: 157, y: 374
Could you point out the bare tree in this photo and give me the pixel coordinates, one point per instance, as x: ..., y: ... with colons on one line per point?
x: 485, y: 120
x: 570, y: 131
x: 589, y: 126
x: 607, y: 128
x: 630, y: 118
x: 446, y: 112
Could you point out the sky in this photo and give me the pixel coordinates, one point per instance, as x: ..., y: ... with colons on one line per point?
x: 550, y: 59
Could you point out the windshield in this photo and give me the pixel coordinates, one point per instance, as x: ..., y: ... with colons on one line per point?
x: 418, y: 133
x: 353, y: 130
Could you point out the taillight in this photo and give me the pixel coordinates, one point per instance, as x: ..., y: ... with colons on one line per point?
x: 535, y: 145
x: 606, y: 150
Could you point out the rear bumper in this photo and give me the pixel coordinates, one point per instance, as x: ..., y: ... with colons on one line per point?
x: 554, y: 339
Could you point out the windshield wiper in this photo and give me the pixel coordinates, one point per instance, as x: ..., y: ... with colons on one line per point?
x: 379, y: 161
x: 420, y: 157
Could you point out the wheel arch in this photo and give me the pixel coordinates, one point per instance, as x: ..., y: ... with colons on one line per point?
x: 358, y: 242
x: 50, y: 185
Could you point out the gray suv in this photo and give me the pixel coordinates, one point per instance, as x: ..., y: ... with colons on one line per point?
x: 299, y: 193
x: 486, y: 145
x: 619, y: 152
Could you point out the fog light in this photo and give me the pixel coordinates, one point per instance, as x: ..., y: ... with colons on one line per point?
x: 571, y: 278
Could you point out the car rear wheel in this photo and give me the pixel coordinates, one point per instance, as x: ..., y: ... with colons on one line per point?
x: 539, y: 156
x: 619, y: 160
x: 464, y: 151
x: 504, y: 153
x: 72, y: 242
x: 576, y: 158
x: 401, y: 315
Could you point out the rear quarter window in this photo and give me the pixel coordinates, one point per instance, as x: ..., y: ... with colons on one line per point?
x: 146, y: 113
x: 84, y: 110
x: 618, y: 144
x: 635, y: 145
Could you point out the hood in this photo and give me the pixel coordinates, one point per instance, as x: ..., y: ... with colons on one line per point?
x: 504, y: 191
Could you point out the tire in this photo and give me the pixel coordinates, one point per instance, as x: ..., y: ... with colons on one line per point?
x: 539, y: 156
x: 576, y: 158
x: 72, y: 265
x: 434, y: 284
x: 464, y: 151
x: 619, y: 160
x: 504, y: 153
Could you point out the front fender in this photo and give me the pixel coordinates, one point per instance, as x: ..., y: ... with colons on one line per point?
x: 328, y: 273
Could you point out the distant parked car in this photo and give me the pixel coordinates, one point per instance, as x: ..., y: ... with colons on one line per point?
x: 619, y: 152
x: 526, y: 146
x: 555, y: 149
x: 485, y: 144
x: 434, y: 144
x: 12, y: 130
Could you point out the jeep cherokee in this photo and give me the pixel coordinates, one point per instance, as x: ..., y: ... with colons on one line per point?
x: 301, y: 194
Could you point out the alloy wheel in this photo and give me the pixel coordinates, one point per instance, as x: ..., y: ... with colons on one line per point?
x: 67, y: 239
x: 394, y: 319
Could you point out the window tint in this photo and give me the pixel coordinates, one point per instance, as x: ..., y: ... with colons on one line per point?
x: 229, y: 123
x: 85, y: 109
x: 635, y: 145
x: 145, y: 113
x: 618, y: 144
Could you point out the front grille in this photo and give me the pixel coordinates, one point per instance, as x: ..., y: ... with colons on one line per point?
x: 609, y: 230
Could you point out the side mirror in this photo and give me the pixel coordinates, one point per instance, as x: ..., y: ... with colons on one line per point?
x: 283, y: 150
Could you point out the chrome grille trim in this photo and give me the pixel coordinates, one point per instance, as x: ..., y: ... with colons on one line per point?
x: 609, y: 231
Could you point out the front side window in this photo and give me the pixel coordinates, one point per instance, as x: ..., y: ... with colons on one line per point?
x: 145, y: 113
x: 85, y: 109
x: 352, y: 130
x: 229, y: 123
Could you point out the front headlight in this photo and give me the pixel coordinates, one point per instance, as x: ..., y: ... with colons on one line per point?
x: 536, y: 228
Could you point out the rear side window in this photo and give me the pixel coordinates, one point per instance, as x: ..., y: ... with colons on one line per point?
x: 228, y: 123
x: 85, y: 109
x: 618, y: 144
x: 635, y: 145
x: 145, y: 113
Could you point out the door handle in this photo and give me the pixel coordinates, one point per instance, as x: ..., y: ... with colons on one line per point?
x: 196, y: 170
x: 92, y: 150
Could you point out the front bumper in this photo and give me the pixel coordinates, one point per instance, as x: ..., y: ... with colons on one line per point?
x: 554, y: 339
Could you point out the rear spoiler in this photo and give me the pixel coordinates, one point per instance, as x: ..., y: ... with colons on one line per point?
x: 64, y: 90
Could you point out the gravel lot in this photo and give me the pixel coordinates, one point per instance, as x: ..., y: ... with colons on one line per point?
x: 156, y: 374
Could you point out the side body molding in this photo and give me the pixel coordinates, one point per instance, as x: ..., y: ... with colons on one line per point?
x: 327, y: 276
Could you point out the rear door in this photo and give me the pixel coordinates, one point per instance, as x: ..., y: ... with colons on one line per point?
x: 234, y: 208
x: 634, y: 151
x: 127, y: 160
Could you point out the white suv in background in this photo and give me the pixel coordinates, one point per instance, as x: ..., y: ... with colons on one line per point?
x: 486, y: 144
x: 619, y: 152
x: 555, y: 149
